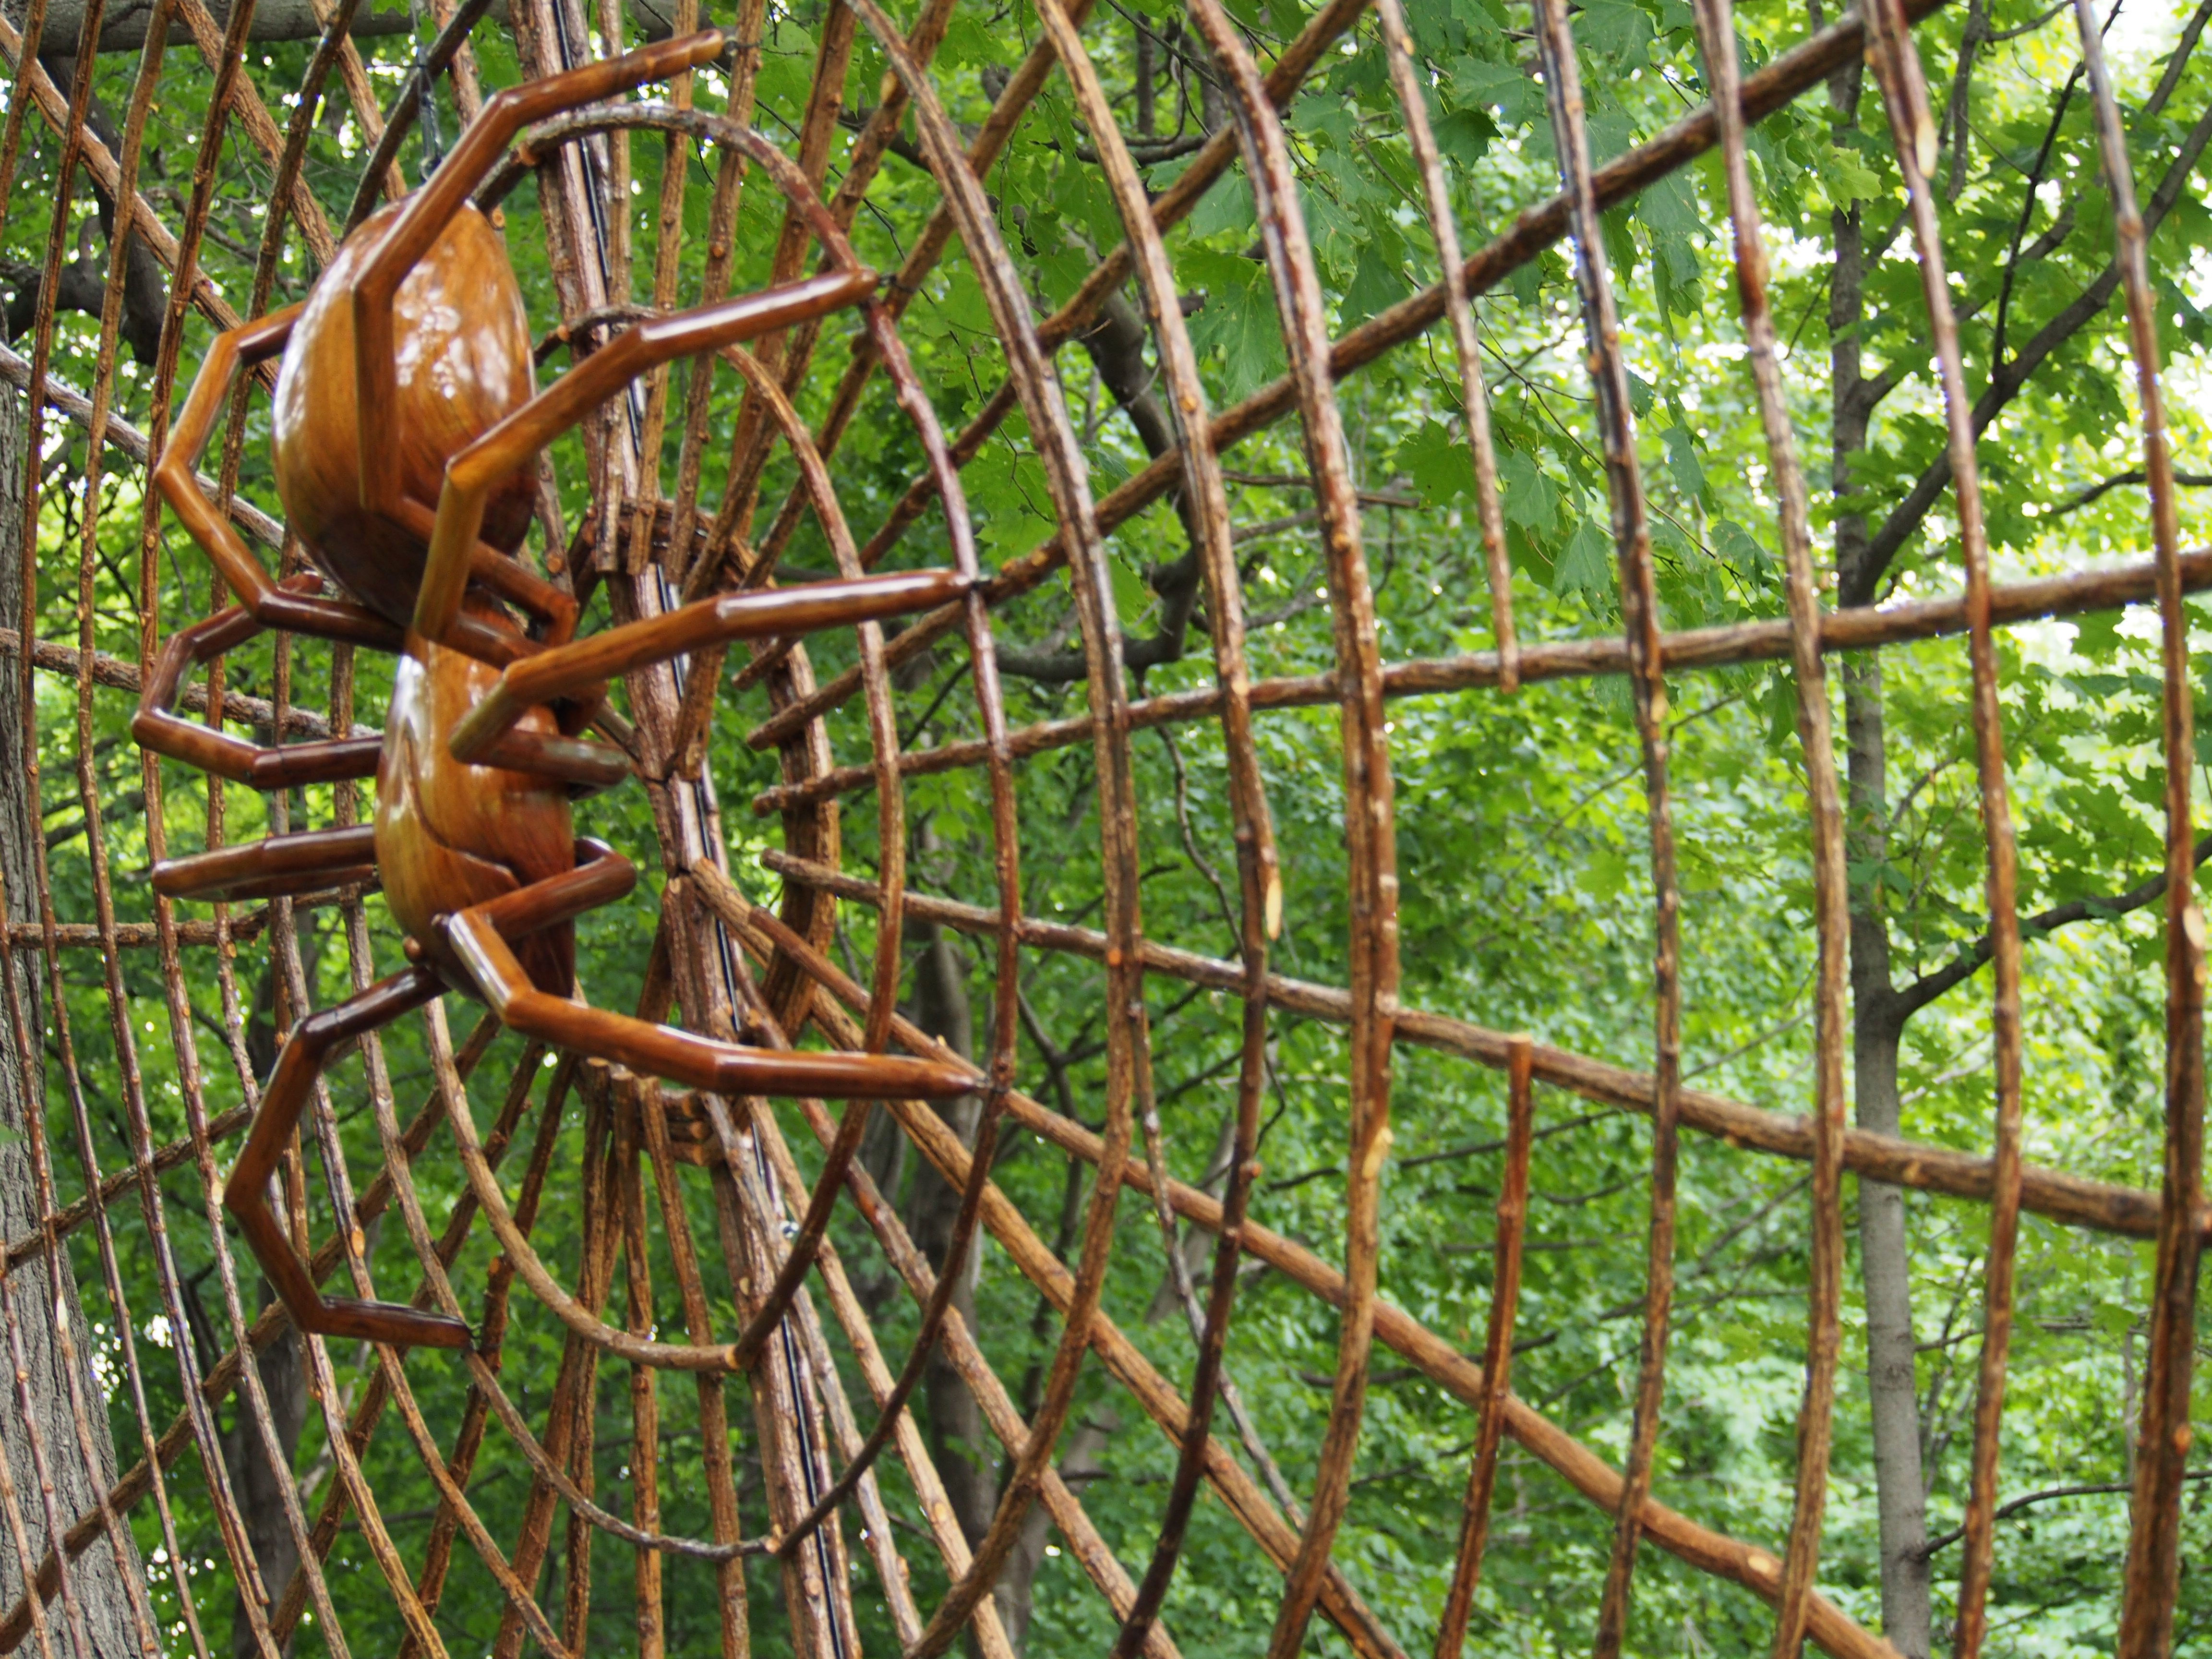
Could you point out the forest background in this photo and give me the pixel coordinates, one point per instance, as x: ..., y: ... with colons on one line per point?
x: 1521, y: 834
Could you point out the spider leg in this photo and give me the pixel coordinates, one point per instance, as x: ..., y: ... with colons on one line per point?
x: 585, y: 767
x: 277, y: 866
x: 748, y: 613
x: 430, y: 209
x: 478, y: 939
x: 471, y: 475
x: 533, y: 594
x: 159, y: 728
x: 293, y: 604
x: 505, y: 575
x: 245, y: 1195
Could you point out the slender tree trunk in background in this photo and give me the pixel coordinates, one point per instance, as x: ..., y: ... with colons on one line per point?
x: 1892, y: 1392
x: 49, y: 1345
x: 260, y: 1499
x: 254, y: 1483
x: 959, y: 1438
x: 1079, y: 1463
x: 1893, y: 1398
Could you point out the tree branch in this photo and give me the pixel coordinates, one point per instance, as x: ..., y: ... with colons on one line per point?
x: 122, y: 24
x: 1970, y: 41
x: 2134, y: 476
x: 2005, y: 1511
x: 2178, y: 60
x: 1117, y: 344
x: 83, y: 280
x: 1913, y: 998
x: 2006, y: 380
x: 2027, y: 213
x: 854, y: 118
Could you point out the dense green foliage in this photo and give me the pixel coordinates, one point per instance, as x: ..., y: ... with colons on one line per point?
x: 1520, y: 823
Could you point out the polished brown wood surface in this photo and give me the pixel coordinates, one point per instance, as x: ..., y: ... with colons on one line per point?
x: 404, y: 417
x: 268, y: 602
x: 245, y: 1195
x: 461, y: 362
x: 479, y: 477
x: 421, y: 223
x: 662, y: 1051
x: 158, y: 726
x: 309, y: 857
x: 750, y: 613
x: 450, y: 834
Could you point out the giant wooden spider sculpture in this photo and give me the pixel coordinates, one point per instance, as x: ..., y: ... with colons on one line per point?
x: 405, y: 418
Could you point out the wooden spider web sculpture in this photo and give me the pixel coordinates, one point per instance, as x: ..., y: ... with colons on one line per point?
x: 767, y: 1364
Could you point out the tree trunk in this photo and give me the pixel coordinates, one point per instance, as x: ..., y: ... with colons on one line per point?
x: 253, y: 1482
x: 50, y: 1347
x: 1892, y: 1394
x: 1877, y: 1027
x: 1079, y: 1463
x: 959, y: 1438
x: 82, y: 284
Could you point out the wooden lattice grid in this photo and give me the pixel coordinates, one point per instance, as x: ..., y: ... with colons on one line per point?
x: 726, y: 961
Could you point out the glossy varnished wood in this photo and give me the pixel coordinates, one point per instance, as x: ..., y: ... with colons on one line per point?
x: 420, y: 224
x: 750, y: 613
x: 450, y: 834
x: 158, y: 726
x: 245, y: 1195
x: 461, y: 364
x: 478, y: 477
x: 405, y: 416
x: 266, y: 601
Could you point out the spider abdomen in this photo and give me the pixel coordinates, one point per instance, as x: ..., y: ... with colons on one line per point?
x: 463, y: 362
x: 450, y: 834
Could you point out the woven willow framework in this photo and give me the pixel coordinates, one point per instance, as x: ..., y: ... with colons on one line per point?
x: 724, y: 960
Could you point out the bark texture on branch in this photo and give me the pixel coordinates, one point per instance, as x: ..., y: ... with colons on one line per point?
x: 123, y: 24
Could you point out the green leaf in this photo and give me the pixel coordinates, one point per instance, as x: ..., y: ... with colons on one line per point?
x: 1586, y: 567
x: 1611, y: 131
x: 1743, y: 551
x: 1849, y: 179
x: 1496, y: 86
x: 1617, y: 28
x: 1379, y: 280
x: 1531, y: 500
x: 2097, y: 635
x: 1208, y: 269
x: 1239, y: 317
x: 1781, y: 709
x: 1608, y: 873
x: 1133, y: 595
x: 1683, y: 464
x: 1464, y: 136
x: 1670, y: 206
x: 1435, y: 459
x: 1227, y: 206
